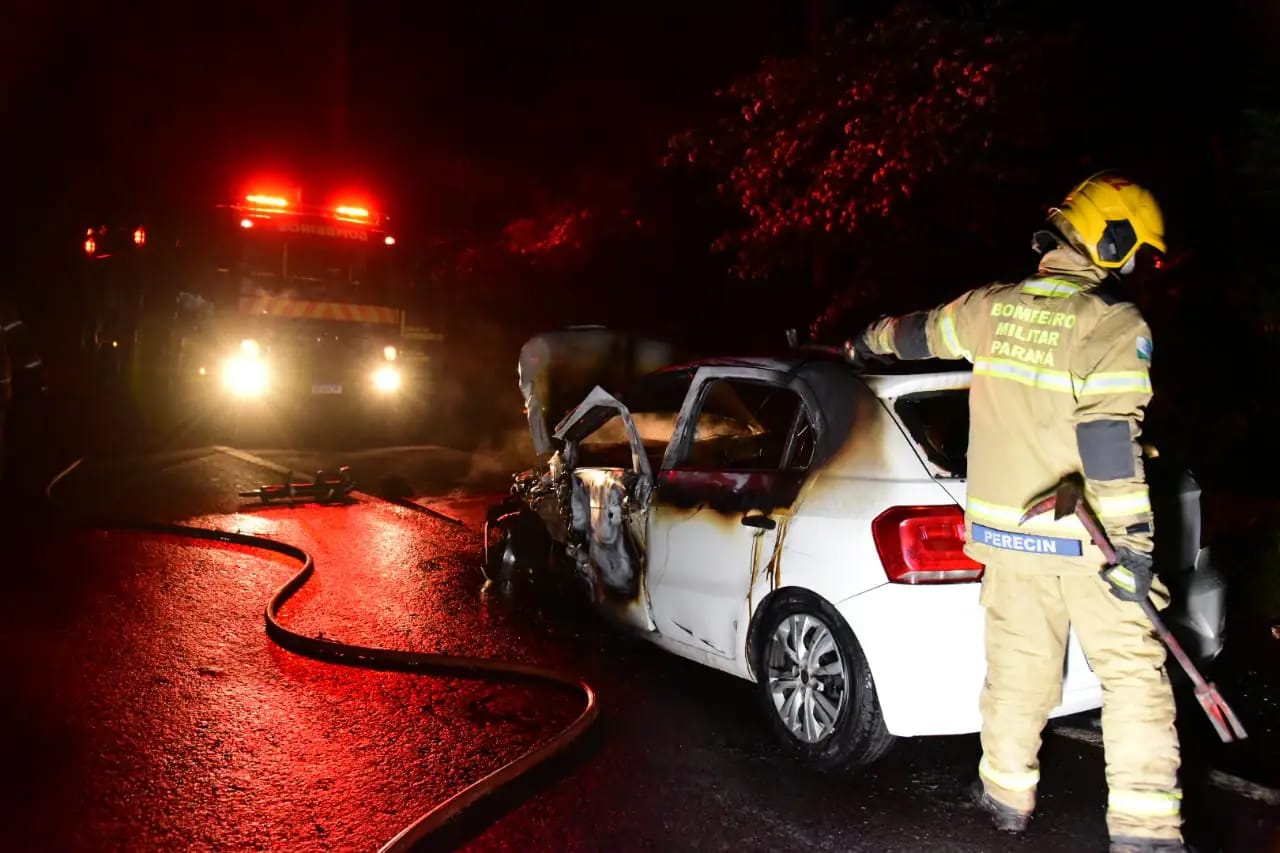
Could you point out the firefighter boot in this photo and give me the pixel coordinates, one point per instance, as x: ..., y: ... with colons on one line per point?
x: 1004, y: 818
x: 1121, y: 844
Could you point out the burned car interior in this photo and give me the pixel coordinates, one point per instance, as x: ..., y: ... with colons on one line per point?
x: 750, y: 426
x: 654, y: 405
x: 741, y: 426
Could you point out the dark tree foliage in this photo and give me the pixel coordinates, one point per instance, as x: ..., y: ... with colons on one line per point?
x: 895, y: 152
x: 1256, y: 150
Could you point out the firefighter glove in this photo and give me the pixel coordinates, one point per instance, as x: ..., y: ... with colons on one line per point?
x: 856, y: 351
x: 1130, y: 577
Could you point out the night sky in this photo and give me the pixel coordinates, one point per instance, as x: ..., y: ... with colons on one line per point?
x: 464, y: 116
x: 441, y: 107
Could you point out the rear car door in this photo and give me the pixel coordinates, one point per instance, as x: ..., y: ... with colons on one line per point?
x: 721, y: 502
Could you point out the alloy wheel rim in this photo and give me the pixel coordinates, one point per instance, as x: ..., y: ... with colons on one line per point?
x: 807, y: 677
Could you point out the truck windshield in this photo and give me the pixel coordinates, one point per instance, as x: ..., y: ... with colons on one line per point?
x: 299, y: 266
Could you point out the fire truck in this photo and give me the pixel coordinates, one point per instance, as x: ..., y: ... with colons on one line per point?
x: 264, y: 307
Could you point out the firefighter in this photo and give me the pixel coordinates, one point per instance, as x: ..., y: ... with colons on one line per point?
x: 1060, y: 385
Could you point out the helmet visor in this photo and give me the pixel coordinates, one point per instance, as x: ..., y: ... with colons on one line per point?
x: 1117, y: 241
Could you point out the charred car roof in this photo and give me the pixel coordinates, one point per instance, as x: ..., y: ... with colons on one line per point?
x: 819, y: 369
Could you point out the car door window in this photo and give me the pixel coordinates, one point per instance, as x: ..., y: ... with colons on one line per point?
x: 750, y: 426
x: 939, y: 423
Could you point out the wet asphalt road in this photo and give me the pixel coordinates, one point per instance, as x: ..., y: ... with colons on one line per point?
x: 147, y: 709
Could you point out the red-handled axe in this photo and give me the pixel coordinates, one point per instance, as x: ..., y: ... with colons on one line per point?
x: 1069, y: 499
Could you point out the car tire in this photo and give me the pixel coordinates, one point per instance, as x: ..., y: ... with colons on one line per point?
x: 500, y: 557
x: 841, y: 679
x: 515, y: 544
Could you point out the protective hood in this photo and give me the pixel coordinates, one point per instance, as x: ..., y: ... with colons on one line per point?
x: 1065, y: 260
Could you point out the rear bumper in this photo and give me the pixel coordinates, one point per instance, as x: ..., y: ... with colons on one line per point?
x: 925, y: 648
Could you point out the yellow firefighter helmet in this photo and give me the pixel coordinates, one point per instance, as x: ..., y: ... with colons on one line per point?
x: 1109, y: 217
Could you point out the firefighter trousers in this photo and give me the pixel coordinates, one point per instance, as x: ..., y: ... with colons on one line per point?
x: 1028, y: 616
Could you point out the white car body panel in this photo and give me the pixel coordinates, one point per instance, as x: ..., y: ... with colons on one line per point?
x: 701, y: 571
x: 929, y: 668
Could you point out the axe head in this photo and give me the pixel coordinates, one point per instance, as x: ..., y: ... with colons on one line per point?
x: 1068, y: 496
x: 1064, y: 501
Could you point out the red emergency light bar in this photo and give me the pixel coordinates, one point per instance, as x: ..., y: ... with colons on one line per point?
x: 354, y: 213
x: 272, y: 201
x: 263, y: 206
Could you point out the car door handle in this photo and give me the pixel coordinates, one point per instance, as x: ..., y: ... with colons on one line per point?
x: 760, y: 522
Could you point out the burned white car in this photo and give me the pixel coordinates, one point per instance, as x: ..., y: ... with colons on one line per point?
x: 786, y: 520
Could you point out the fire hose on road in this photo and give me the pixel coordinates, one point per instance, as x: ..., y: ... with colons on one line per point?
x: 387, y: 660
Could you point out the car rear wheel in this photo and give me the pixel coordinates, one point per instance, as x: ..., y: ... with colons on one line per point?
x: 815, y: 686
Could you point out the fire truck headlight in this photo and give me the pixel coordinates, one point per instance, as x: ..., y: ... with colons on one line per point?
x: 386, y: 379
x: 389, y: 353
x: 245, y: 377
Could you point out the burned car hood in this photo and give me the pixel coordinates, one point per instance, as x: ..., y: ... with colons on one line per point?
x: 598, y: 407
x: 558, y: 369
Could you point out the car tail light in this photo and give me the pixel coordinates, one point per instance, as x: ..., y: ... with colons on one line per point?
x: 924, y: 544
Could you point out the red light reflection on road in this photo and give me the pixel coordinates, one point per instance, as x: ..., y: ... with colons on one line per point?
x: 185, y: 722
